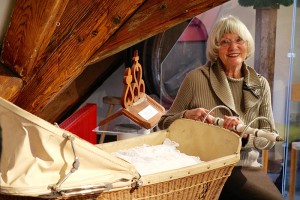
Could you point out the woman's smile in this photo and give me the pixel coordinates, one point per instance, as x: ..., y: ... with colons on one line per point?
x: 232, y: 51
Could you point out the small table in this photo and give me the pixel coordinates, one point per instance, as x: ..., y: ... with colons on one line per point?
x: 123, y: 131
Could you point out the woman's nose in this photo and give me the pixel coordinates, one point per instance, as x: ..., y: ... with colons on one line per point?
x: 233, y: 44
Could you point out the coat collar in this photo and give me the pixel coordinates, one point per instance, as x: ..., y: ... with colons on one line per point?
x: 251, y: 89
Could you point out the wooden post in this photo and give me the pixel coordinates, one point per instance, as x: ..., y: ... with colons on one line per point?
x: 265, y: 41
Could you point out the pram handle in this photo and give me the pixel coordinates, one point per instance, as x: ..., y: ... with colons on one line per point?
x: 246, y: 129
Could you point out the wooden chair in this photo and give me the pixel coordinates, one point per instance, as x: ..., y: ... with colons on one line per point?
x: 265, y: 160
x: 111, y: 101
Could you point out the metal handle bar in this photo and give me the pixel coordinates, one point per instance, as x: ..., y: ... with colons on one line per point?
x: 75, y: 165
x: 220, y: 106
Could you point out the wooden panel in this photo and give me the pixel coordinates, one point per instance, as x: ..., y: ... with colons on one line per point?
x: 296, y: 92
x: 152, y: 18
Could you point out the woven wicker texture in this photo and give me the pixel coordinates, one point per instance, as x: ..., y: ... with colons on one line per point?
x: 202, y: 186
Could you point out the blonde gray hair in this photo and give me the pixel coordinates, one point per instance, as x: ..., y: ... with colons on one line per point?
x: 228, y: 25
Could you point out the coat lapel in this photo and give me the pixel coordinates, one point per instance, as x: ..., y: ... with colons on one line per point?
x: 251, y: 90
x: 220, y: 85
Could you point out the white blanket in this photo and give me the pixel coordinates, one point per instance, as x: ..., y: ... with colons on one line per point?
x: 154, y: 159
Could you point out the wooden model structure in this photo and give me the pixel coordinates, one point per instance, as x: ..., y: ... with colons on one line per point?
x: 137, y: 105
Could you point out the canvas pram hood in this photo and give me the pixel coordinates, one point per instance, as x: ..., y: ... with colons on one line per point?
x: 37, y: 154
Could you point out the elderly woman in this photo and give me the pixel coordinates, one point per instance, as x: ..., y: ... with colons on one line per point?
x: 226, y: 80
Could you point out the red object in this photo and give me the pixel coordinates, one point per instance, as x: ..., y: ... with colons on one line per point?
x: 195, y: 32
x: 82, y: 123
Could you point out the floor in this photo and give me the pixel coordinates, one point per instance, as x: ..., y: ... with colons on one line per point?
x: 274, y: 174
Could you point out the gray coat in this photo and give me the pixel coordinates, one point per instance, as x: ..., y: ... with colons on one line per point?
x: 207, y: 87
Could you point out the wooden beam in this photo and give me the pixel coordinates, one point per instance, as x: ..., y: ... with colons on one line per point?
x: 152, y: 18
x: 74, y: 13
x: 30, y: 30
x: 68, y: 60
x: 9, y: 83
x: 68, y: 100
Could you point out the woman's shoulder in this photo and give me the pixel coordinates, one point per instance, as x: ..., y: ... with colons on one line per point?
x: 256, y: 76
x: 261, y: 77
x: 200, y: 70
x: 264, y: 82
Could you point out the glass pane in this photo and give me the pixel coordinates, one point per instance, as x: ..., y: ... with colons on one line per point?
x: 291, y: 171
x: 187, y: 53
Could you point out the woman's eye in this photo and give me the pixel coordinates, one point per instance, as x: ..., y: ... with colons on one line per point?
x: 239, y: 40
x: 225, y: 42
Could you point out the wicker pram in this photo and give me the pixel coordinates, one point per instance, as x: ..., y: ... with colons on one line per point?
x: 42, y: 161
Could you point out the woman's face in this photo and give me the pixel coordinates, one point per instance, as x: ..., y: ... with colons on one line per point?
x: 232, y: 50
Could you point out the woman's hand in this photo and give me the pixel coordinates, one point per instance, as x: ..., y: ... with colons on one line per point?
x: 231, y: 121
x: 199, y: 114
